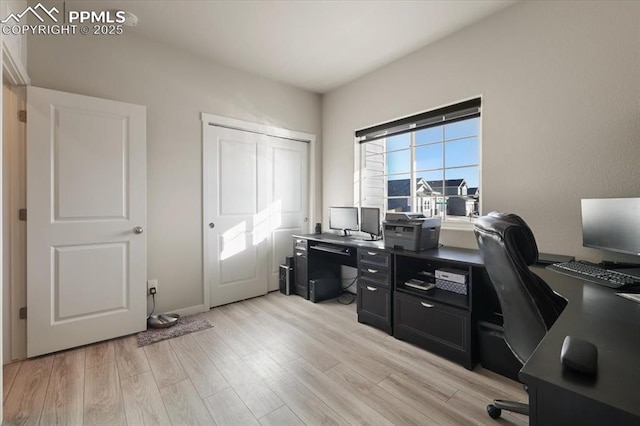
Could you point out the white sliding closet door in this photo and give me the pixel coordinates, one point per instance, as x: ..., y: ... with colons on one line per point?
x: 255, y: 198
x: 289, y: 199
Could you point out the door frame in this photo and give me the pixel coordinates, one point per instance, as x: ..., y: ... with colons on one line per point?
x: 15, y: 238
x: 263, y: 129
x: 15, y: 73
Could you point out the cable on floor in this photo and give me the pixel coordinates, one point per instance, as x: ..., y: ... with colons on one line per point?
x: 153, y: 298
x: 347, y: 298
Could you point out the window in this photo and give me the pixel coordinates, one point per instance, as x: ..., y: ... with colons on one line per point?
x: 427, y: 163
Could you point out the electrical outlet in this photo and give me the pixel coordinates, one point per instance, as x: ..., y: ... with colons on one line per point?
x: 152, y: 284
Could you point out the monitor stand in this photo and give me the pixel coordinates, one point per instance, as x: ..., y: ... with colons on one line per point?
x: 372, y: 238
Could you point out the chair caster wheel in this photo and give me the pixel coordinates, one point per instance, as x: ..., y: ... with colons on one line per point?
x: 494, y: 412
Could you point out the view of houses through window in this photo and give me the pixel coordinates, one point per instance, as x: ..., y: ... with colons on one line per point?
x: 433, y: 170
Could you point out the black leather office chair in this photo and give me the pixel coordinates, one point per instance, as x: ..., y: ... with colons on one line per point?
x: 529, y: 305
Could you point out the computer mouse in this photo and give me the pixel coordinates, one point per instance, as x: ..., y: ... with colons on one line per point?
x: 579, y: 355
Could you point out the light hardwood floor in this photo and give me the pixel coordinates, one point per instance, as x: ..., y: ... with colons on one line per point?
x: 272, y: 360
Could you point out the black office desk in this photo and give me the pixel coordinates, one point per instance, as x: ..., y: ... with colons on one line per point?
x: 342, y: 241
x: 438, y: 320
x: 562, y: 397
x: 454, y: 255
x: 321, y: 255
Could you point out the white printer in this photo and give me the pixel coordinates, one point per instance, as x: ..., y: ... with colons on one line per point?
x: 410, y: 231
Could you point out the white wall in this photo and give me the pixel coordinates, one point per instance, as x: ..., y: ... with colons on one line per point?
x: 175, y: 87
x: 16, y: 44
x: 3, y: 297
x: 560, y: 86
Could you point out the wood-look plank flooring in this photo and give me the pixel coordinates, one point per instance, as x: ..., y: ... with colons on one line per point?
x: 272, y: 360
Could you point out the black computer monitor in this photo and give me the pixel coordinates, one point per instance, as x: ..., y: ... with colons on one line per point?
x: 611, y: 224
x: 343, y: 219
x: 370, y: 222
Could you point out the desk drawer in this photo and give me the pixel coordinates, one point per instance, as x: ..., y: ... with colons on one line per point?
x: 374, y: 258
x: 380, y: 277
x: 300, y: 243
x: 436, y: 327
x: 374, y: 306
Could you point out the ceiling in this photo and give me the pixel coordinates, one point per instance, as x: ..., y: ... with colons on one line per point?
x: 314, y: 45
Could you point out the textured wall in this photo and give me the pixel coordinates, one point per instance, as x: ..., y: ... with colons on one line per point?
x: 560, y: 87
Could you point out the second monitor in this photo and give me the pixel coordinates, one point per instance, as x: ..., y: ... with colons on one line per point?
x: 370, y: 222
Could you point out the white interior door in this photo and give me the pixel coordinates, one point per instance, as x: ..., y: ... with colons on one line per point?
x: 255, y: 198
x: 289, y: 198
x: 86, y: 202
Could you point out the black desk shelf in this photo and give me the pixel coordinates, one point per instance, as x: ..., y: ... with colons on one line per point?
x: 438, y: 320
x: 423, y: 267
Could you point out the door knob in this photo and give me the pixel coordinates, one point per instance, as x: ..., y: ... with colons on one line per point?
x: 212, y: 225
x: 138, y: 230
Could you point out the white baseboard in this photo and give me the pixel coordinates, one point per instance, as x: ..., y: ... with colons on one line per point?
x: 191, y: 310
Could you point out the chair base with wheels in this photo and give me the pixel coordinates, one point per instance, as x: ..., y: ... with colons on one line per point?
x: 495, y: 409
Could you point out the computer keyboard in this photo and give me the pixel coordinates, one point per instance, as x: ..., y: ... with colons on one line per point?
x: 596, y: 274
x: 330, y: 248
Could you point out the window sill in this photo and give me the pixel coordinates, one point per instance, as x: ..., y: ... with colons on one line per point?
x: 457, y: 226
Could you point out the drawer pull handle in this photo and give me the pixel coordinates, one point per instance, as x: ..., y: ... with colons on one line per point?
x: 372, y: 253
x: 371, y: 288
x: 426, y: 305
x: 299, y: 254
x: 372, y: 271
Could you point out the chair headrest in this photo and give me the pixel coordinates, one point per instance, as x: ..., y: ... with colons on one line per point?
x: 514, y: 231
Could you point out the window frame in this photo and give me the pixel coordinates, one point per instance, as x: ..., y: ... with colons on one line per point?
x: 405, y: 125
